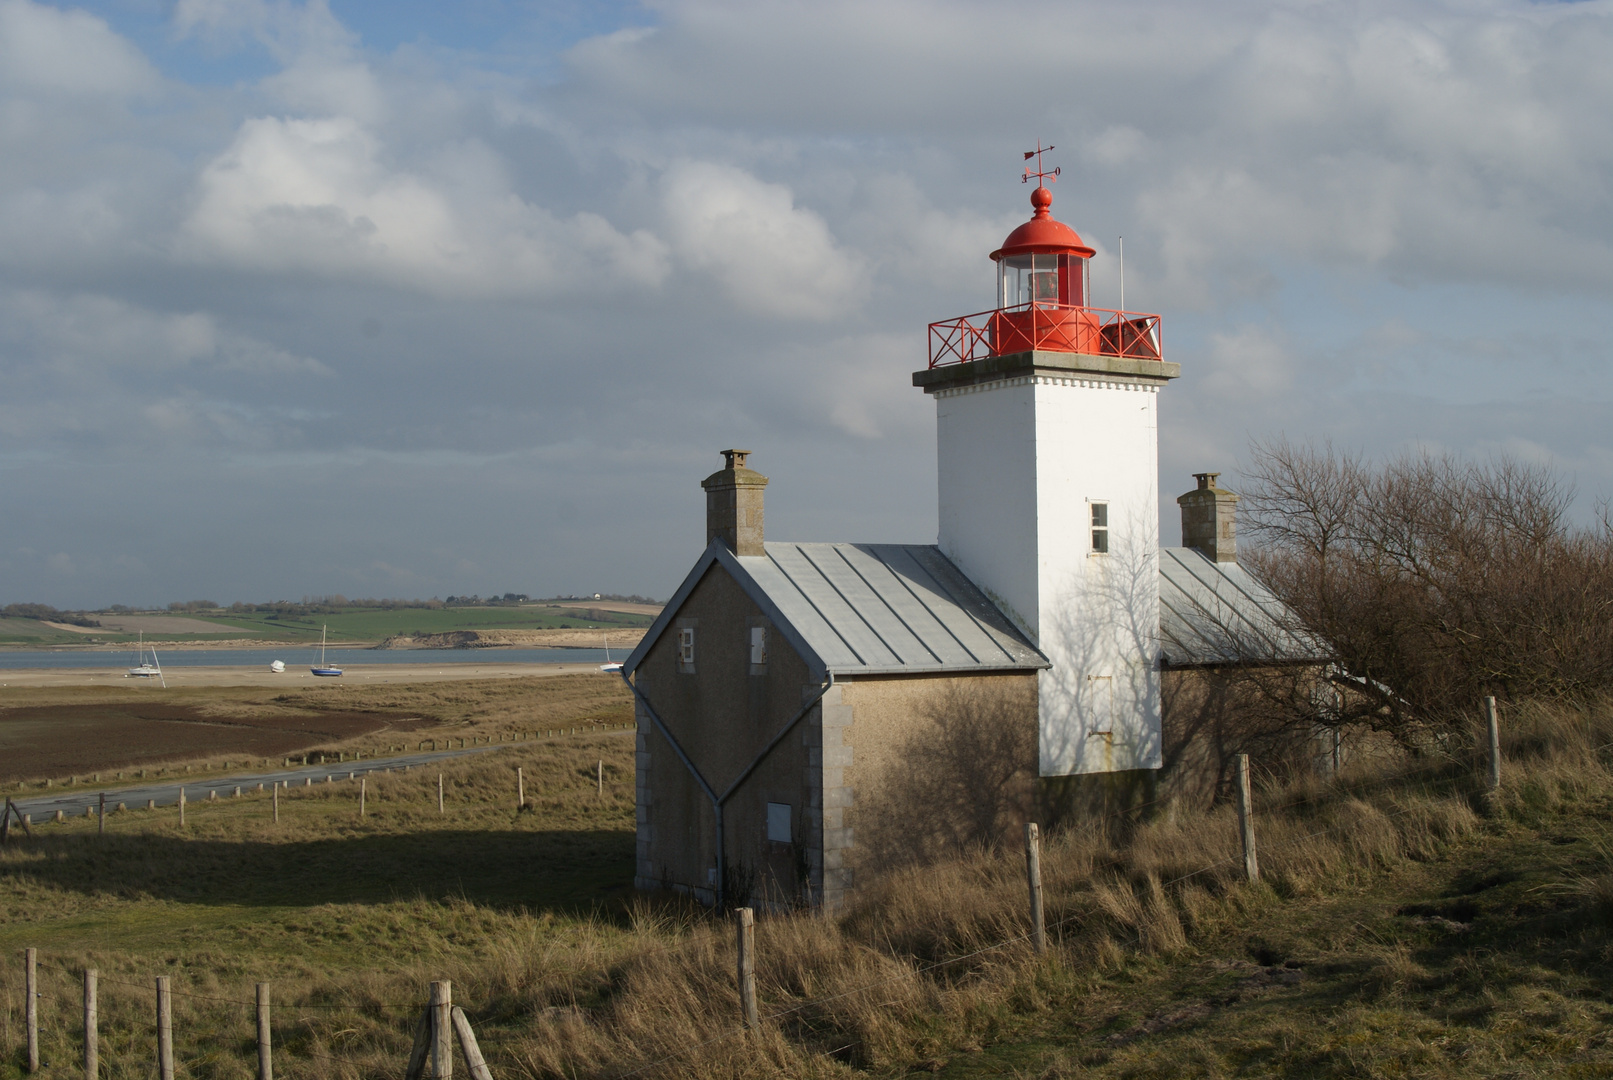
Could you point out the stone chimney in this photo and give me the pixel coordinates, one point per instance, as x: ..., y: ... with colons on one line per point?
x: 1209, y: 519
x: 734, y: 504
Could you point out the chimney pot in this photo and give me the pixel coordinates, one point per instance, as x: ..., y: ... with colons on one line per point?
x: 734, y: 504
x: 1209, y: 519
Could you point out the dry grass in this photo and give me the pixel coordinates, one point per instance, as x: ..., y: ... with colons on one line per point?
x: 930, y: 962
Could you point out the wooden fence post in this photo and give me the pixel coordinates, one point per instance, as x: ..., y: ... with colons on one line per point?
x: 422, y: 1046
x: 30, y: 982
x: 467, y: 1046
x: 442, y: 1030
x: 92, y: 1025
x: 439, y: 794
x: 1246, y: 821
x: 1495, y: 743
x: 182, y: 806
x: 265, y: 1036
x: 1033, y: 876
x: 363, y: 783
x: 745, y: 920
x: 599, y: 778
x: 165, y: 1030
x: 520, y: 789
x: 277, y: 802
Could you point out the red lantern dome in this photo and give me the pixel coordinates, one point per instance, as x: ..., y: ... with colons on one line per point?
x: 1042, y: 235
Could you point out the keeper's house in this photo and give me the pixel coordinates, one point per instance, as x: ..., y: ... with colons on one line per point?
x: 782, y: 678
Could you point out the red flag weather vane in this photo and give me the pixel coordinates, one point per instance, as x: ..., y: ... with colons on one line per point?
x: 1043, y: 177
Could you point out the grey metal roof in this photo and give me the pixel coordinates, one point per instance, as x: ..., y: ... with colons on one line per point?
x: 1218, y: 613
x: 867, y: 609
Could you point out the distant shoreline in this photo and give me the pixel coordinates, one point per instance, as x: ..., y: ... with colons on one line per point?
x: 624, y: 638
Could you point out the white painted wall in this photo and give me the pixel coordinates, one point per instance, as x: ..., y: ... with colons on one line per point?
x: 1020, y: 462
x: 986, y: 447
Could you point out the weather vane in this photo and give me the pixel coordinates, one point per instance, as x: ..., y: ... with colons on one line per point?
x: 1042, y: 175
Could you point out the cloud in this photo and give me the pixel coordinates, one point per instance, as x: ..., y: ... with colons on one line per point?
x: 771, y: 256
x: 73, y: 54
x: 1414, y: 141
x: 475, y: 277
x: 318, y: 196
x: 89, y: 372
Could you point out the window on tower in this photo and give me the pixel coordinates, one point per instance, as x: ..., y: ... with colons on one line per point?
x: 1100, y: 528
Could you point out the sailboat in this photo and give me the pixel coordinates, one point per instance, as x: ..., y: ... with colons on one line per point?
x: 144, y: 668
x: 323, y: 668
x: 609, y: 667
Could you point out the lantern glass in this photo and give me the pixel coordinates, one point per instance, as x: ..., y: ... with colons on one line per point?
x: 1041, y: 279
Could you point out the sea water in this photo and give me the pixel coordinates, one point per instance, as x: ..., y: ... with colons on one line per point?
x: 295, y: 657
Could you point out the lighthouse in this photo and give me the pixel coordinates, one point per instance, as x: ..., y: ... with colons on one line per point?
x: 1047, y: 430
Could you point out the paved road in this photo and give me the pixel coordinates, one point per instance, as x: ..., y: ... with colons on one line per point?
x: 43, y: 807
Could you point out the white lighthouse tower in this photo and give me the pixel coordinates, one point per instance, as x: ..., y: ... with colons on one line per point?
x: 1048, y: 445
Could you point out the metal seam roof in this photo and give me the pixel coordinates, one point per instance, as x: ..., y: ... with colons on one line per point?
x: 884, y: 604
x: 1213, y: 613
x: 879, y: 609
x: 974, y: 620
x: 840, y: 626
x: 873, y: 609
x: 857, y: 606
x: 908, y: 623
x: 906, y: 585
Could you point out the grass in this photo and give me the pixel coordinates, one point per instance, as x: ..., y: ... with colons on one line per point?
x: 1405, y: 925
x: 33, y: 633
x: 327, y: 906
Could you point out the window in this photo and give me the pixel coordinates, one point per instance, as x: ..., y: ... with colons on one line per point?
x: 686, y: 645
x: 758, y: 645
x: 1100, y: 528
x: 778, y: 822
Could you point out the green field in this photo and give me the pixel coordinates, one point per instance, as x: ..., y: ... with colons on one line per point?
x: 346, y: 624
x: 375, y: 624
x: 33, y: 632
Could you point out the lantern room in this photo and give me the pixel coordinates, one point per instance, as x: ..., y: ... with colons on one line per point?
x: 1044, y: 301
x: 1043, y: 261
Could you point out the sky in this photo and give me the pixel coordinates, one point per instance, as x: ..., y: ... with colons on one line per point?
x: 414, y: 299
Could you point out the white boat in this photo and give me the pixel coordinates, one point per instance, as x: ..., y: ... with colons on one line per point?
x: 146, y: 668
x: 277, y: 666
x: 322, y: 668
x: 609, y: 667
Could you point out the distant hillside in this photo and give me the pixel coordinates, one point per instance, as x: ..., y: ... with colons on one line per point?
x: 525, y: 639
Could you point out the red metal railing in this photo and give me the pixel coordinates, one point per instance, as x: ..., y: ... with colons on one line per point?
x: 1046, y: 326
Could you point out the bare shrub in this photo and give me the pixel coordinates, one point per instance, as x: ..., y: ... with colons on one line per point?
x: 1434, y: 581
